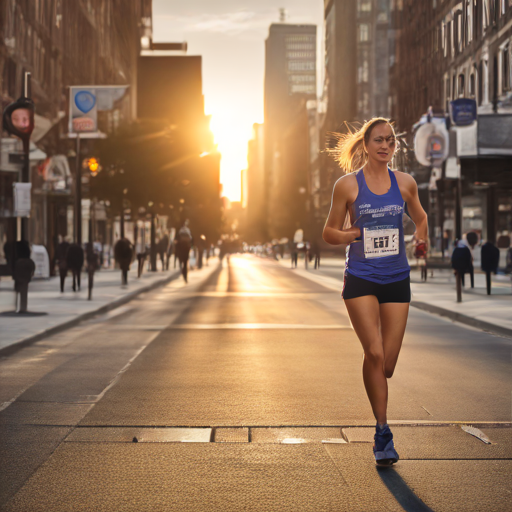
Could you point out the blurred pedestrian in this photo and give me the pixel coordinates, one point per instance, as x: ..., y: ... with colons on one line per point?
x: 184, y: 243
x: 123, y: 254
x: 93, y: 263
x: 161, y: 249
x: 75, y: 262
x: 24, y: 269
x: 377, y: 289
x: 61, y: 258
x: 490, y: 262
x: 315, y: 252
x: 420, y: 253
x: 462, y: 260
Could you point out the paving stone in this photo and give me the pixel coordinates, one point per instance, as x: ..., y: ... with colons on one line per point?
x: 43, y: 413
x: 231, y: 435
x: 143, y: 435
x: 293, y: 435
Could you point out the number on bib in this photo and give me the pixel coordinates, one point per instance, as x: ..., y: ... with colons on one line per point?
x: 381, y: 242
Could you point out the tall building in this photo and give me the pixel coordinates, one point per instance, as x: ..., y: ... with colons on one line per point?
x: 255, y: 186
x: 61, y: 43
x: 170, y: 96
x: 445, y: 50
x: 290, y: 80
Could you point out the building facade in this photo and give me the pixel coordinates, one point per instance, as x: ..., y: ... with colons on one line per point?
x: 445, y: 50
x: 290, y: 81
x: 63, y: 43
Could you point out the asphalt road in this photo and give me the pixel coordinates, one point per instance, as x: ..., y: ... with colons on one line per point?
x: 243, y: 391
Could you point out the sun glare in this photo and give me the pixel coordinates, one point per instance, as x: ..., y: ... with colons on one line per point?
x: 231, y: 133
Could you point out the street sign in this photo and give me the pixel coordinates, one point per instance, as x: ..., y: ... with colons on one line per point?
x: 86, y: 101
x: 83, y: 114
x: 463, y: 111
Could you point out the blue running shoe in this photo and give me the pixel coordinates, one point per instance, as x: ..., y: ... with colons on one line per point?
x: 384, y: 448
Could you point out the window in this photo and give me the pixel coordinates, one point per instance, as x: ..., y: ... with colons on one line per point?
x: 296, y: 65
x: 364, y: 32
x: 363, y: 72
x: 303, y: 88
x: 472, y: 84
x: 483, y: 82
x: 469, y: 21
x: 505, y: 69
x: 299, y: 46
x: 302, y: 78
x: 461, y: 85
x: 459, y: 31
x: 364, y: 6
x: 447, y: 88
x: 300, y: 55
x: 486, y: 15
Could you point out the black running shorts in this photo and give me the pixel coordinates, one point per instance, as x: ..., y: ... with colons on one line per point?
x: 399, y: 291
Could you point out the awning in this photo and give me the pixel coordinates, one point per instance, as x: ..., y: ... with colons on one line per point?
x: 495, y: 134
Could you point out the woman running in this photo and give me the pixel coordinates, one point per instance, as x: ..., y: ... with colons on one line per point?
x: 377, y: 288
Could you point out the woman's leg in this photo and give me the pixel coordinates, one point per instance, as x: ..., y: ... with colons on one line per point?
x: 364, y: 313
x: 393, y: 319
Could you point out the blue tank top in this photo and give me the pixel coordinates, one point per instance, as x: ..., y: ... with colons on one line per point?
x: 379, y: 254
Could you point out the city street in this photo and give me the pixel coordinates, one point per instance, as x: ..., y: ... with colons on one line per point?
x: 242, y: 390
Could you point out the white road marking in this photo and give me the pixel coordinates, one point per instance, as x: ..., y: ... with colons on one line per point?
x: 257, y: 326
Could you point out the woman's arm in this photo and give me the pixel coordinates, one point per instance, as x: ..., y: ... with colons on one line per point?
x: 333, y: 233
x: 409, y: 191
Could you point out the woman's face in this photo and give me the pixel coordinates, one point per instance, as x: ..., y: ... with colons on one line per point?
x: 381, y: 143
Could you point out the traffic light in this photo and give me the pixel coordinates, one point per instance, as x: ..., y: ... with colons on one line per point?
x: 93, y: 166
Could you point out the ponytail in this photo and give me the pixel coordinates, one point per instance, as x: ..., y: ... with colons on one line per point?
x: 348, y: 149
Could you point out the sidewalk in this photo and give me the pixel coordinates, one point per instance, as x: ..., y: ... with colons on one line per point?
x: 438, y: 294
x: 51, y: 311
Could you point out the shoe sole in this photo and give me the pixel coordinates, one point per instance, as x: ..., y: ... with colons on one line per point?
x: 386, y: 463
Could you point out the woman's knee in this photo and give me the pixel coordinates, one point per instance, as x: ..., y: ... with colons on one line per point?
x: 374, y: 355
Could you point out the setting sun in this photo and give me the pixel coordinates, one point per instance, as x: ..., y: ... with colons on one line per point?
x: 232, y: 132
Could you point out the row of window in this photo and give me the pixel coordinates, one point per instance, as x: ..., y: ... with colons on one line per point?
x: 294, y: 65
x: 298, y: 46
x: 456, y: 86
x: 300, y: 39
x: 301, y: 78
x: 468, y: 21
x: 303, y: 88
x: 300, y: 55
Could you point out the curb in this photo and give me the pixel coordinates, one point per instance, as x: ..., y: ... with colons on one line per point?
x: 18, y: 345
x: 463, y: 319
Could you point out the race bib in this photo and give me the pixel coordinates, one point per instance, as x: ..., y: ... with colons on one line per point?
x: 381, y: 242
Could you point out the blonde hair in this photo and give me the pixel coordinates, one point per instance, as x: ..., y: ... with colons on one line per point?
x: 348, y: 148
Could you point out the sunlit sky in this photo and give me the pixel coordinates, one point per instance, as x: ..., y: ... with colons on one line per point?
x: 230, y: 35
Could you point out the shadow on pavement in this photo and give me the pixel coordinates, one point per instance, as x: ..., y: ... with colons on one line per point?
x: 401, y: 491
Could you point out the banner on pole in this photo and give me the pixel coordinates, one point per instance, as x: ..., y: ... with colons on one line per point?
x: 22, y: 199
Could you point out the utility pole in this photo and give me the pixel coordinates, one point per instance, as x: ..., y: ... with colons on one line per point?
x: 78, y: 195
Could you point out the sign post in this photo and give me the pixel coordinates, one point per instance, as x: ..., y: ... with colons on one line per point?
x: 84, y: 104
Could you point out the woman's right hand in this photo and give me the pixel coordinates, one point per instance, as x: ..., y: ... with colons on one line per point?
x: 355, y: 233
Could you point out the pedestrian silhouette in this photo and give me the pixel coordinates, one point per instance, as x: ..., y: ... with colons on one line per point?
x: 75, y: 262
x: 24, y: 269
x: 92, y: 258
x: 183, y: 246
x: 123, y: 254
x: 61, y: 258
x: 462, y: 260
